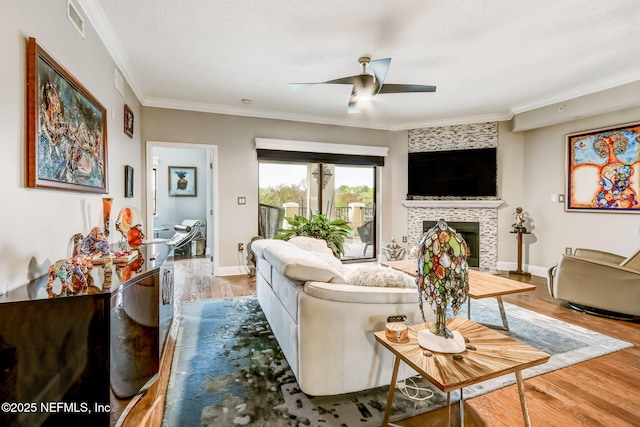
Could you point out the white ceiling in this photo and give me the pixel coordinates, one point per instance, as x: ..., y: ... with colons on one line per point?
x: 489, y: 59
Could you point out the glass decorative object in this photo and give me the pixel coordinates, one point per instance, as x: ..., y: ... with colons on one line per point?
x: 443, y: 278
x: 107, y: 203
x: 129, y: 223
x: 135, y: 236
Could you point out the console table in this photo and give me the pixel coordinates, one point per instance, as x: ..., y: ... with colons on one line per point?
x: 61, y: 356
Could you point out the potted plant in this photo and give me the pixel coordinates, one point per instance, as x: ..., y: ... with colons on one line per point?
x: 318, y: 227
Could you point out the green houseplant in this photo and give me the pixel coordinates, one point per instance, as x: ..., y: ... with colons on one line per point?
x: 318, y: 227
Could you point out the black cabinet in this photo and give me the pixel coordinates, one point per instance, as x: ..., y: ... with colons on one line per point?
x: 59, y: 357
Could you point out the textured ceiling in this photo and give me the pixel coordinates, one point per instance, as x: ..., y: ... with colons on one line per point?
x: 488, y: 58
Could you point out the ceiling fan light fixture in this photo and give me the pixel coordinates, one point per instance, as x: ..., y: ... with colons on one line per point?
x: 365, y: 85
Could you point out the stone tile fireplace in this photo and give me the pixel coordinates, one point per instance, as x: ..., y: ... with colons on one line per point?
x: 482, y: 212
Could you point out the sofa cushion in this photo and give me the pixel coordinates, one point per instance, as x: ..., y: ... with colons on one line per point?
x: 259, y: 246
x: 361, y: 294
x: 319, y: 248
x: 299, y: 264
x: 378, y: 276
x: 310, y: 244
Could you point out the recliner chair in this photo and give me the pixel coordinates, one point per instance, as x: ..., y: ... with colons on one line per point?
x: 189, y: 230
x: 592, y: 279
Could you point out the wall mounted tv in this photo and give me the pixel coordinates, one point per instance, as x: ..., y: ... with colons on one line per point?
x: 468, y: 173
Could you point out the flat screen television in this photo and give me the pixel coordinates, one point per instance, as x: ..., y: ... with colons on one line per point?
x: 468, y: 173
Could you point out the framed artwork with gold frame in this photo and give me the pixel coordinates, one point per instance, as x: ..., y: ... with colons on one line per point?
x: 128, y: 121
x: 66, y: 128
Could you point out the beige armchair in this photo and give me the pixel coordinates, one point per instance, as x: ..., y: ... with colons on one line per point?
x: 592, y: 279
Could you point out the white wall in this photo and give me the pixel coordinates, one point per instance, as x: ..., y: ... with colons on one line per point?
x: 510, y: 189
x: 173, y: 210
x: 544, y: 174
x: 37, y: 224
x: 238, y: 164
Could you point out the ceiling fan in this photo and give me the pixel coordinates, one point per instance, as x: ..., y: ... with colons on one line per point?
x: 366, y: 86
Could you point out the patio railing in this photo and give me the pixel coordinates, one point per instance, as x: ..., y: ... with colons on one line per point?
x: 340, y: 212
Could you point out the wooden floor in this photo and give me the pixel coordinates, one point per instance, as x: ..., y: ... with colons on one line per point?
x: 600, y: 392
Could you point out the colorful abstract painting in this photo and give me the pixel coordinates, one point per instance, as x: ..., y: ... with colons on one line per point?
x: 66, y: 133
x: 604, y: 170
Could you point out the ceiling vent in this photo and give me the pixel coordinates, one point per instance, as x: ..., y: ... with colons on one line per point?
x: 74, y: 16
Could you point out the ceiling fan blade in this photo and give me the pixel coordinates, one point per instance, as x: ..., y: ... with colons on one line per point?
x: 301, y: 85
x: 400, y: 88
x: 353, y: 103
x: 380, y: 68
x: 342, y: 81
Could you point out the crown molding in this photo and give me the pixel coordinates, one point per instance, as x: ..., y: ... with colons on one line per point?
x: 249, y: 112
x: 279, y: 115
x: 105, y: 32
x: 461, y: 120
x: 576, y: 92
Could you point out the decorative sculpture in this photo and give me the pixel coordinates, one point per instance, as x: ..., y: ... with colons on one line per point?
x: 135, y: 236
x: 393, y: 251
x: 73, y: 274
x: 443, y: 276
x: 96, y: 243
x: 520, y: 218
x: 129, y: 224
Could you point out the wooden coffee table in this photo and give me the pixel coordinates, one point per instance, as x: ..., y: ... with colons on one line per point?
x: 481, y: 285
x: 495, y: 355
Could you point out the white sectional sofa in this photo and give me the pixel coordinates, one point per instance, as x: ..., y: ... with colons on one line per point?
x: 325, y: 325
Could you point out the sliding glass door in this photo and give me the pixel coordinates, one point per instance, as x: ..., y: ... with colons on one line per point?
x: 340, y: 191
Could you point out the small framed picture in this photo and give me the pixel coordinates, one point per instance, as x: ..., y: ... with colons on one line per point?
x: 128, y: 121
x: 128, y: 181
x: 182, y: 181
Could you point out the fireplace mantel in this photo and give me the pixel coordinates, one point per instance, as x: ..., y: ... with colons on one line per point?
x: 452, y: 203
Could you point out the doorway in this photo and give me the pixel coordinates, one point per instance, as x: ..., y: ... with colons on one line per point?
x: 166, y: 209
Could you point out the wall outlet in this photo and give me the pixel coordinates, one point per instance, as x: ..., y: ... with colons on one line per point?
x: 240, y: 247
x: 404, y: 239
x: 568, y: 251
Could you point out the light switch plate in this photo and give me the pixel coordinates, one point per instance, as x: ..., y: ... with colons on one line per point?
x: 242, y: 200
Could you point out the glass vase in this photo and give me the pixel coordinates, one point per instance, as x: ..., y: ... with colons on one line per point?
x: 107, y: 203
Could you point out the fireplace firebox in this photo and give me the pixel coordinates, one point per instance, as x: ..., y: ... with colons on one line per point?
x: 470, y: 232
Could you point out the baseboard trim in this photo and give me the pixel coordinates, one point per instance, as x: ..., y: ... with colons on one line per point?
x: 533, y: 269
x: 234, y: 270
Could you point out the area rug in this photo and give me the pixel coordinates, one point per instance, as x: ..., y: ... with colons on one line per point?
x: 229, y: 371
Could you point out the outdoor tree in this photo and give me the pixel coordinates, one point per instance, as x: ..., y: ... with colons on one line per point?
x: 280, y: 194
x: 346, y: 195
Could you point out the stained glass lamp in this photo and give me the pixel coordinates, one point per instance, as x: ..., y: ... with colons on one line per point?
x: 443, y: 275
